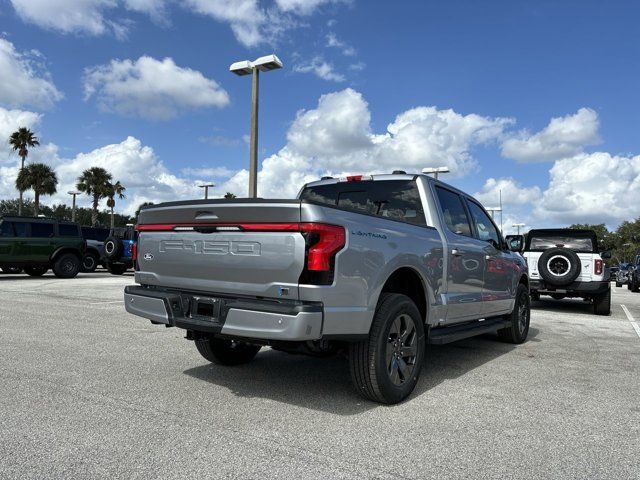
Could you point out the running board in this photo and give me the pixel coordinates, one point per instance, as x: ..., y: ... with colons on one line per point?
x: 442, y: 335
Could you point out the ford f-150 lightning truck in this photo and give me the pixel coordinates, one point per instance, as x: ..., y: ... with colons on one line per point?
x: 378, y: 266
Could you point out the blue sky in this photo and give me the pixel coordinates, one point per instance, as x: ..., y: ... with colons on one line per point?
x: 504, y: 68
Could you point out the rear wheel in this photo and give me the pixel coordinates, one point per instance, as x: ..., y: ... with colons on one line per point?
x: 66, y: 266
x: 223, y: 351
x: 557, y: 296
x: 385, y: 368
x: 602, y: 303
x: 89, y: 263
x: 116, y: 268
x: 520, y: 316
x: 618, y: 284
x: 35, y: 271
x: 535, y: 296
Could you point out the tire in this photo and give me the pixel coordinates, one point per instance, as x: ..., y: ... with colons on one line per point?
x: 618, y: 284
x: 35, y: 271
x: 520, y: 318
x: 116, y: 268
x: 11, y: 270
x: 89, y: 263
x: 557, y: 296
x: 602, y: 303
x: 535, y: 296
x: 112, y: 248
x: 66, y: 265
x: 559, y: 266
x: 222, y: 351
x: 374, y: 363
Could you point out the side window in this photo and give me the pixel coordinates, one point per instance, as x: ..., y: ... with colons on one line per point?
x: 67, y: 230
x: 485, y: 229
x: 21, y: 229
x: 42, y: 230
x: 403, y: 204
x: 453, y: 212
x: 6, y: 230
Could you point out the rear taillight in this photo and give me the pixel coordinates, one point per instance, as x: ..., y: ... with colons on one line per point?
x: 597, y: 267
x: 134, y: 251
x: 322, y: 243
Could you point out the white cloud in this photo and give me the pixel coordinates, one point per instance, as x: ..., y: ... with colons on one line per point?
x: 135, y: 165
x: 336, y: 138
x: 156, y: 9
x: 150, y: 88
x: 207, y: 172
x: 305, y: 7
x: 334, y: 42
x: 70, y: 16
x: 592, y: 188
x: 564, y: 137
x: 320, y: 68
x: 513, y: 192
x: 23, y: 81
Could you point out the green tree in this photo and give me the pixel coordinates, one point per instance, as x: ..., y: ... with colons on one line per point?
x: 21, y: 141
x: 39, y: 177
x: 95, y: 183
x: 114, y: 190
x: 229, y: 195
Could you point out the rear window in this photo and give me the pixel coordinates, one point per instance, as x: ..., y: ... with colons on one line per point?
x: 6, y: 230
x: 580, y: 243
x: 92, y: 233
x: 42, y: 230
x: 68, y: 230
x: 393, y: 199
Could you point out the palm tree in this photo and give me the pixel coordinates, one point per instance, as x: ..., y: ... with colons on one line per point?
x: 22, y: 140
x: 143, y: 204
x: 114, y: 190
x: 94, y: 182
x: 41, y: 178
x: 229, y: 196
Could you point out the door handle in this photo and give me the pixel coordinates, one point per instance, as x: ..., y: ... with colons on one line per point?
x: 455, y: 252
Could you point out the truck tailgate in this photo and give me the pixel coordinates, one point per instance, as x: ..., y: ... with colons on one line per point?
x: 233, y: 247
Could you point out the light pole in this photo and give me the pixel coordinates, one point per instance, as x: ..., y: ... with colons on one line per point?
x: 73, y: 208
x: 245, y: 67
x: 518, y: 225
x: 435, y: 171
x: 492, y: 210
x: 206, y: 189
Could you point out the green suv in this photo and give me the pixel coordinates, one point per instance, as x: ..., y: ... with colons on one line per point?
x: 38, y: 244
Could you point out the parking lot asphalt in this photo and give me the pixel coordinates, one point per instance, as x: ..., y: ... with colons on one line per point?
x: 89, y: 391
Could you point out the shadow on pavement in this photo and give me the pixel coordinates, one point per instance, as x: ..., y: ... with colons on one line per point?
x: 7, y: 277
x: 566, y: 305
x: 324, y: 384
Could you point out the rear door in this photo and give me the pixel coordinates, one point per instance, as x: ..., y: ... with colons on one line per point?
x: 465, y: 259
x: 7, y: 241
x: 40, y: 241
x: 498, y: 271
x: 237, y: 247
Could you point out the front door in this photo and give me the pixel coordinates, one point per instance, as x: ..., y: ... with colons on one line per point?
x: 464, y: 259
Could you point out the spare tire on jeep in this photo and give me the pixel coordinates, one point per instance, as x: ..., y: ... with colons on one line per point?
x: 112, y: 248
x: 559, y: 266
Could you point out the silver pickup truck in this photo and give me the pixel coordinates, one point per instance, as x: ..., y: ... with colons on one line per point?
x: 377, y: 266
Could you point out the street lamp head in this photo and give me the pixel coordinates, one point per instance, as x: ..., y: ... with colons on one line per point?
x: 268, y: 62
x: 241, y: 68
x: 74, y: 193
x: 264, y: 64
x: 206, y: 185
x: 436, y: 170
x: 518, y: 225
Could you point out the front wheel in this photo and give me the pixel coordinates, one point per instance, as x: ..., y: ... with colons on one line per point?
x: 66, y: 266
x: 618, y: 284
x: 35, y: 271
x: 520, y: 317
x: 385, y: 368
x: 116, y: 268
x: 11, y: 270
x: 602, y: 303
x: 222, y: 351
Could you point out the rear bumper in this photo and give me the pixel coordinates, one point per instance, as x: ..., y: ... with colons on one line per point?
x: 579, y: 288
x: 246, y: 318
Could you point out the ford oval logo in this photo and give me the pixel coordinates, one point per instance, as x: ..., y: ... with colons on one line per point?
x: 148, y: 256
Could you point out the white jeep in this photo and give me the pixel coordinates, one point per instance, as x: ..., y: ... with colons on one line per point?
x: 566, y: 263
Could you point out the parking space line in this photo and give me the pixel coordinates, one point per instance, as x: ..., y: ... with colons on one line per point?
x: 634, y: 324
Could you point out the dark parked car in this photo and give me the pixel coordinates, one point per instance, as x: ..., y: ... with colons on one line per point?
x: 622, y: 276
x: 633, y: 275
x: 38, y: 244
x: 94, y: 255
x: 119, y: 248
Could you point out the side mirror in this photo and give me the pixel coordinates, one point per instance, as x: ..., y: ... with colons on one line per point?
x: 515, y: 243
x: 605, y: 255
